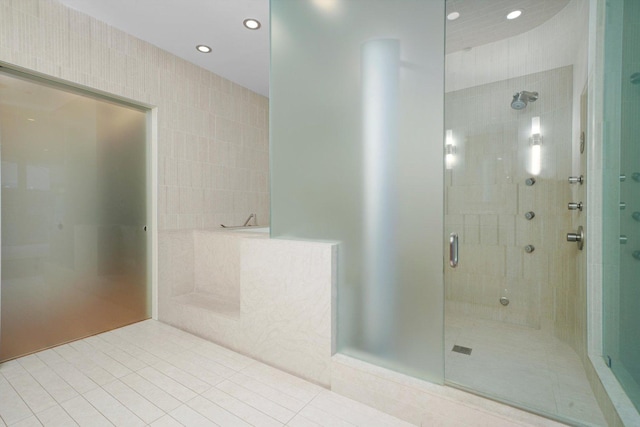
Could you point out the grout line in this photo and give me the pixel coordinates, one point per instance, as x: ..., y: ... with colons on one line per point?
x: 101, y: 413
x: 266, y: 385
x: 37, y: 382
x: 135, y: 392
x: 72, y: 357
x: 21, y: 398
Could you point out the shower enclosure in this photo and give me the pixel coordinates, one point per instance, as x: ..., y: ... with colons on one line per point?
x: 515, y: 316
x: 74, y: 214
x: 355, y: 122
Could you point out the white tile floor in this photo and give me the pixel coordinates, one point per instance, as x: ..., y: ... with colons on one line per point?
x: 521, y: 365
x: 153, y: 374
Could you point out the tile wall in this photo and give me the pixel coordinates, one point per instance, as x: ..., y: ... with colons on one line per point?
x: 487, y: 198
x: 523, y: 56
x: 284, y: 291
x: 212, y: 133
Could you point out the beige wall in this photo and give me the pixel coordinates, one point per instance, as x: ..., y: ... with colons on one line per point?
x: 271, y: 299
x: 486, y: 199
x: 559, y: 43
x: 212, y: 133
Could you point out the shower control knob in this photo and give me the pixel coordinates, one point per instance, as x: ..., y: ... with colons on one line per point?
x: 577, y: 237
x: 573, y: 206
x: 529, y: 215
x: 530, y: 181
x: 529, y: 248
x: 636, y: 176
x: 636, y: 255
x: 636, y: 216
x: 576, y: 179
x: 573, y: 237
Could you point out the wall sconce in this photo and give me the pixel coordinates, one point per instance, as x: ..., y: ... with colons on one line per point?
x: 535, y: 141
x: 449, y: 150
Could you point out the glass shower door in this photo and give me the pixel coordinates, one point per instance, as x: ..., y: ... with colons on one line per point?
x: 74, y: 244
x: 621, y: 226
x: 515, y: 305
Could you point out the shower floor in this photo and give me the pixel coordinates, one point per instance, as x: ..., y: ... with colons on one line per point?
x: 521, y: 365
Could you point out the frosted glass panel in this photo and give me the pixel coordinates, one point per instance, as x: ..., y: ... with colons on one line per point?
x: 621, y: 234
x: 74, y: 247
x: 356, y: 149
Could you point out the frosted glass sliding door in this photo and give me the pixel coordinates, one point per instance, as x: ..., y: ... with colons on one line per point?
x: 74, y: 209
x: 356, y: 110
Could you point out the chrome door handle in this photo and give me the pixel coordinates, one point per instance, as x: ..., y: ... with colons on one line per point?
x: 453, y: 250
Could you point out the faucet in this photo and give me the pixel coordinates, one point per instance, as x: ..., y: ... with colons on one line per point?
x: 252, y: 216
x: 246, y: 223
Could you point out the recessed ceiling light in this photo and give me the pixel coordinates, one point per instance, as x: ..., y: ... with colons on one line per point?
x: 453, y: 16
x: 252, y: 24
x: 31, y: 120
x: 203, y: 48
x: 514, y: 14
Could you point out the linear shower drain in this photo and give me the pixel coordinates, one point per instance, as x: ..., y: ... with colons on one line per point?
x: 461, y: 349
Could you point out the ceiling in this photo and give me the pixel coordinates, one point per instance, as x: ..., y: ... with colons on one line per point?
x: 242, y: 55
x: 178, y: 26
x: 484, y: 21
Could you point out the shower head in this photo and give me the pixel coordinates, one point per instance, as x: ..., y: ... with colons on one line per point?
x: 521, y: 99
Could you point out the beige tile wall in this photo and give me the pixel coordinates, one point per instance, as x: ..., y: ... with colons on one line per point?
x: 486, y: 199
x: 285, y: 294
x: 212, y: 133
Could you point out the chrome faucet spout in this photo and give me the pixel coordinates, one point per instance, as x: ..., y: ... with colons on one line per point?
x: 251, y: 217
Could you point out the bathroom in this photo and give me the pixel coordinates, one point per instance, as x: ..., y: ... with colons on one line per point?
x: 210, y: 164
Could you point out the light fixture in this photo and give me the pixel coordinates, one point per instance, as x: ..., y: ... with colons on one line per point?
x: 449, y: 150
x: 536, y: 143
x: 203, y: 48
x: 453, y: 16
x: 535, y: 127
x: 327, y: 6
x: 514, y: 14
x: 252, y: 24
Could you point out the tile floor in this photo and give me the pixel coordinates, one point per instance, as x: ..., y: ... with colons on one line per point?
x: 521, y: 365
x: 153, y: 374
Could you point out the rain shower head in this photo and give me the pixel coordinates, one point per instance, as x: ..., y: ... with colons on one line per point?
x: 521, y: 99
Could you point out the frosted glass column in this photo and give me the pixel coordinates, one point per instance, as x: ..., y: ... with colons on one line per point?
x: 380, y: 81
x: 356, y: 122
